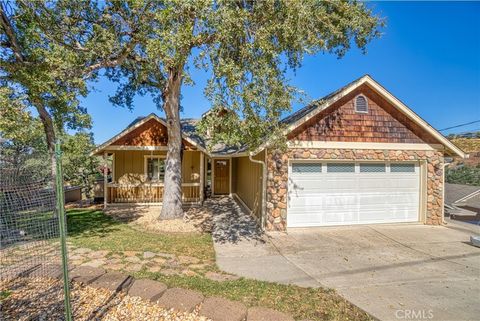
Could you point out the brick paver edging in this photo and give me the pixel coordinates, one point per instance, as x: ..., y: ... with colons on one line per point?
x: 215, y: 308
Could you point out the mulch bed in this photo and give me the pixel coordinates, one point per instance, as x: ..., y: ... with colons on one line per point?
x: 197, y: 219
x: 42, y: 299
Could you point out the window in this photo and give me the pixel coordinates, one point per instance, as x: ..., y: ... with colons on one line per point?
x: 402, y: 168
x: 361, y: 104
x: 341, y: 168
x: 155, y: 169
x: 372, y: 168
x: 304, y: 168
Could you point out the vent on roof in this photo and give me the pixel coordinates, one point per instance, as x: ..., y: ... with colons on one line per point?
x: 361, y: 104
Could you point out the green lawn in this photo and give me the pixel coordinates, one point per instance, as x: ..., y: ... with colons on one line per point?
x: 95, y: 230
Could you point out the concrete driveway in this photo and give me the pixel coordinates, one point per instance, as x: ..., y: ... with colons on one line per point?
x: 394, y: 272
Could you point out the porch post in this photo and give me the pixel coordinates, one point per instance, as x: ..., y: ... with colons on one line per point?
x: 105, y: 180
x: 202, y: 175
x: 213, y: 176
x: 230, y: 177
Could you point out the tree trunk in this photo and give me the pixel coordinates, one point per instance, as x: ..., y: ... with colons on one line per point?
x: 172, y: 195
x: 50, y: 136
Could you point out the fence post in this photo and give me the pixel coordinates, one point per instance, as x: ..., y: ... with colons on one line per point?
x: 62, y: 227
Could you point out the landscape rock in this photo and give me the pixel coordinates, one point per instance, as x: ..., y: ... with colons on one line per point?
x: 133, y: 259
x: 54, y: 271
x: 166, y: 255
x: 198, y: 266
x: 187, y: 259
x: 148, y: 255
x: 219, y: 277
x: 159, y: 260
x: 114, y: 281
x: 81, y: 250
x: 85, y: 274
x: 116, y: 267
x: 189, y: 273
x: 147, y: 289
x: 98, y: 254
x: 94, y: 263
x: 76, y: 257
x: 219, y: 309
x: 134, y: 267
x: 169, y: 272
x: 180, y: 299
x: 154, y: 269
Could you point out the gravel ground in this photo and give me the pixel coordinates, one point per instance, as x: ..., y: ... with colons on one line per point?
x: 41, y: 299
x: 197, y: 219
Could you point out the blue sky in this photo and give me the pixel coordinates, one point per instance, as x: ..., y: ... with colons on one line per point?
x: 428, y: 57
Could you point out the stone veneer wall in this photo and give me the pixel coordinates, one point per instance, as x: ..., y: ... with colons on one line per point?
x: 277, y: 183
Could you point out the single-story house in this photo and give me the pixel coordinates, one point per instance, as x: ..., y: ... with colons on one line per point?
x: 356, y: 156
x: 462, y: 195
x: 462, y: 202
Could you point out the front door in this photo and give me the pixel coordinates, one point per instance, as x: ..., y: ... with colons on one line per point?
x: 221, y: 176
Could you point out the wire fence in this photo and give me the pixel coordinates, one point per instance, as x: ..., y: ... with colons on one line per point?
x: 31, y: 239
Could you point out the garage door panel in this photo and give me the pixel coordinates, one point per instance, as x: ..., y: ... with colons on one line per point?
x: 377, y: 199
x: 333, y: 219
x: 339, y: 183
x: 303, y: 203
x: 352, y: 198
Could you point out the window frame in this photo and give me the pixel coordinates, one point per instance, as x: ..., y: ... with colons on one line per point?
x: 366, y: 104
x: 385, y: 167
x: 315, y: 164
x: 341, y: 163
x: 402, y: 163
x: 145, y: 168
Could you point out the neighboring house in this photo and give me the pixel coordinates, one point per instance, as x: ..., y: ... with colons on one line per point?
x: 356, y: 156
x: 460, y: 194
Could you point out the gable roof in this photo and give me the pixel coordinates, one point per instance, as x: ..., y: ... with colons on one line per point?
x: 460, y: 193
x: 188, y: 132
x: 292, y: 121
x: 296, y: 119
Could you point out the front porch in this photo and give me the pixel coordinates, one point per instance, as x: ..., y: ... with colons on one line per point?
x: 137, y: 177
x: 150, y: 193
x: 135, y: 165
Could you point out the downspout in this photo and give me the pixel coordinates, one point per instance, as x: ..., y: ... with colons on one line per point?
x: 446, y: 162
x: 264, y: 189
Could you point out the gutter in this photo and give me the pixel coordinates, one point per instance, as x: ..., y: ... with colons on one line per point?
x: 264, y: 190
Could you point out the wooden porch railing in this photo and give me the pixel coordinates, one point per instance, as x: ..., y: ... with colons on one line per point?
x: 149, y: 193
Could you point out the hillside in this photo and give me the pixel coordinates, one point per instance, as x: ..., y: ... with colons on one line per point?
x: 468, y: 145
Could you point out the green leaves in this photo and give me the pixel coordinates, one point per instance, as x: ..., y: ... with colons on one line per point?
x: 256, y: 43
x: 51, y: 49
x: 79, y: 168
x: 247, y: 47
x: 464, y: 174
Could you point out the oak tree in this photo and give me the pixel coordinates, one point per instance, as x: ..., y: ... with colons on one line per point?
x: 247, y: 47
x: 49, y: 50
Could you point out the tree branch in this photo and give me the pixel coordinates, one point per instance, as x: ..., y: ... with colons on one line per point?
x: 10, y: 32
x: 113, y: 62
x: 203, y: 39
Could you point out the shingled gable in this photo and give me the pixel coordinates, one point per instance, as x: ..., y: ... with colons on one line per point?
x: 315, y: 111
x: 147, y: 132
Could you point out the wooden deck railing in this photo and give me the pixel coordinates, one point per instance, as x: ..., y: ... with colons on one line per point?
x: 149, y: 193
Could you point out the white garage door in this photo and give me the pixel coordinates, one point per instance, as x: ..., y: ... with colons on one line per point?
x: 327, y: 193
